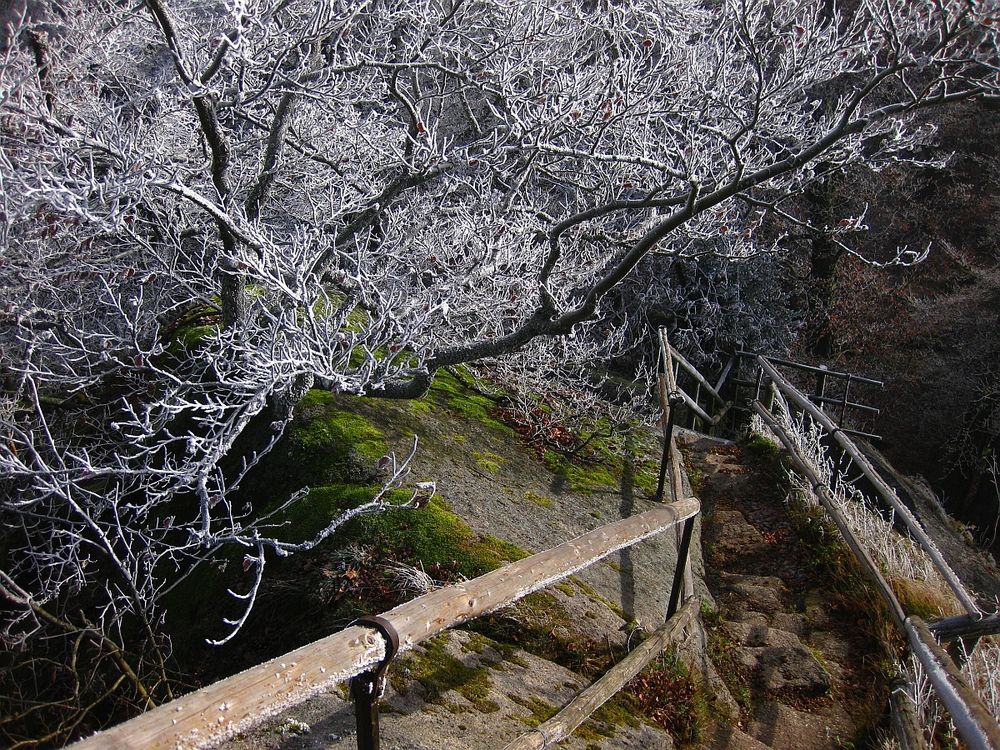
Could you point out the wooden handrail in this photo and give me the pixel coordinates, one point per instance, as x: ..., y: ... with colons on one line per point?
x: 562, y: 725
x: 693, y: 371
x: 693, y: 406
x: 886, y: 492
x: 215, y: 713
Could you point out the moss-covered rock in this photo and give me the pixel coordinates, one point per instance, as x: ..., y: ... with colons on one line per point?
x: 327, y: 445
x: 437, y: 671
x: 434, y: 537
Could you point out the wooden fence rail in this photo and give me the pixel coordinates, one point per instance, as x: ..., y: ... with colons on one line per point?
x: 209, y: 716
x: 560, y: 726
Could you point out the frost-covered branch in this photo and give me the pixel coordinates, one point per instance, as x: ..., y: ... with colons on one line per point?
x: 204, y: 214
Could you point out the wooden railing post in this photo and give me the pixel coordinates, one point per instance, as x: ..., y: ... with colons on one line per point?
x: 673, y: 401
x: 904, y: 721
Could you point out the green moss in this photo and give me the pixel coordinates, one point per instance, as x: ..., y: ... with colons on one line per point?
x: 541, y: 711
x: 434, y: 536
x: 586, y: 588
x: 314, y: 512
x: 620, y: 711
x: 646, y: 476
x: 541, y: 625
x: 762, y: 448
x: 325, y: 445
x: 595, y: 597
x: 504, y: 551
x: 420, y: 406
x: 617, y: 712
x: 723, y: 652
x: 566, y: 588
x: 490, y: 462
x: 438, y: 671
x: 540, y: 500
x: 582, y: 478
x: 696, y: 477
x: 448, y: 392
x: 340, y: 430
x: 476, y: 643
x: 192, y: 336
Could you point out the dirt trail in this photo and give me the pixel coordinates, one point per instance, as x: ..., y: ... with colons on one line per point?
x: 798, y: 667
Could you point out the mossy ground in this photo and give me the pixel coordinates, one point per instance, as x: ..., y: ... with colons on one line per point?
x: 540, y: 625
x: 334, y: 451
x: 620, y: 711
x: 437, y: 671
x: 722, y: 651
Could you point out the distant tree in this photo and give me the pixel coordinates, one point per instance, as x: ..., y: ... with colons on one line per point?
x: 353, y: 195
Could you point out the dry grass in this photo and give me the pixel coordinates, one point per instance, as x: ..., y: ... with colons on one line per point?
x: 918, y: 585
x: 902, y: 560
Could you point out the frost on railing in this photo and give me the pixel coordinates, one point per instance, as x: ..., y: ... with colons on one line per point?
x: 901, y: 560
x: 898, y: 556
x: 981, y: 668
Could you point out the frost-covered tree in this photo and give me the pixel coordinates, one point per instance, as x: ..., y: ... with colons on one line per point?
x: 353, y: 195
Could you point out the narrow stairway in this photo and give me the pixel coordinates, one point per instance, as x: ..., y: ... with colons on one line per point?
x: 792, y: 651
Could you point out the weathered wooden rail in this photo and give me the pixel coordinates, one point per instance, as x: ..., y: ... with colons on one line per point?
x: 580, y: 708
x: 209, y: 716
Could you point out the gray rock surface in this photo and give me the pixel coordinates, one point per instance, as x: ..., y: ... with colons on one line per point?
x: 520, y: 687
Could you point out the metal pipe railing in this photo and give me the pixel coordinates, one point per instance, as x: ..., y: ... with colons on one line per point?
x: 883, y: 489
x: 754, y: 356
x: 974, y: 722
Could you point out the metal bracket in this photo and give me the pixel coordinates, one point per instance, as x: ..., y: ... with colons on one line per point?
x: 367, y: 687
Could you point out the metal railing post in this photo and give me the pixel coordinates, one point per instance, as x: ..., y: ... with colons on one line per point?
x: 367, y: 687
x: 820, y: 393
x: 682, y: 558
